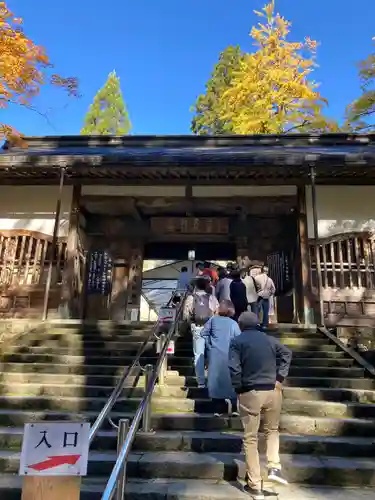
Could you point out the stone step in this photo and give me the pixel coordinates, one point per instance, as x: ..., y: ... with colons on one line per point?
x: 131, y: 349
x: 294, y: 342
x: 96, y: 357
x: 114, y: 349
x: 170, y: 391
x: 298, y: 371
x: 69, y: 367
x: 290, y: 424
x: 208, y: 442
x: 46, y: 378
x: 198, y: 406
x: 319, y: 346
x: 193, y: 489
x: 332, y: 471
x: 113, y: 333
x: 313, y: 344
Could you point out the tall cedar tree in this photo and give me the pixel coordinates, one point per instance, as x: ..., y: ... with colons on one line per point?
x: 206, y: 120
x: 25, y: 67
x: 361, y: 114
x: 108, y: 114
x: 271, y: 93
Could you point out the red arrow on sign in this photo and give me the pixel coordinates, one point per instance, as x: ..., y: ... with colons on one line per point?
x: 52, y: 462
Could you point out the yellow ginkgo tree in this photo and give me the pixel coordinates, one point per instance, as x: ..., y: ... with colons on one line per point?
x: 271, y: 92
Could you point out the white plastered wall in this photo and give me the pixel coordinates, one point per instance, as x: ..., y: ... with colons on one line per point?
x: 33, y: 208
x: 342, y: 209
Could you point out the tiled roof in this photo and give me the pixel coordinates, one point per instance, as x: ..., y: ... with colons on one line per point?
x: 179, y: 159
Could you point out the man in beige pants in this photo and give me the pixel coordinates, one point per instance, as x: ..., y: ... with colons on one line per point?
x: 258, y: 364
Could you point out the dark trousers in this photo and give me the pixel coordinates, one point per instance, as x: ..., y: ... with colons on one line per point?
x: 238, y: 313
x: 221, y: 406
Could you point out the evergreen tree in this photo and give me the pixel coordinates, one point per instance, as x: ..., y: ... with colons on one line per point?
x: 108, y: 115
x: 361, y: 113
x: 206, y: 120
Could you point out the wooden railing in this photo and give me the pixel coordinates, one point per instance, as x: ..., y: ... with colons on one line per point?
x: 348, y: 273
x: 25, y: 257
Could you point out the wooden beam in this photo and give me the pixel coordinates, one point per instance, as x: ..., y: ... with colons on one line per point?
x: 245, y: 181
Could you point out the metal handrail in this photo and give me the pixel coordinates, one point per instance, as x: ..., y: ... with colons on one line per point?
x: 120, y: 384
x: 124, y: 451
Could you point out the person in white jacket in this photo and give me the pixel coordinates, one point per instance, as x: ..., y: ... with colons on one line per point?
x: 266, y: 289
x: 251, y: 292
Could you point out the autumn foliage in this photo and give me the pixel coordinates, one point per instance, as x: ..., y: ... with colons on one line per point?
x: 266, y: 91
x: 24, y: 68
x: 272, y: 93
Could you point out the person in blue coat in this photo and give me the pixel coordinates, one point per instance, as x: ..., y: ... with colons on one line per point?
x: 218, y: 332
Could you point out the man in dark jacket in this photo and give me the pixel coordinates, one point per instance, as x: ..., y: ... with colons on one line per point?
x: 237, y: 290
x: 258, y: 364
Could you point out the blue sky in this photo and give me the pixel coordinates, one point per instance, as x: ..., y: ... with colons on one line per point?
x: 165, y: 50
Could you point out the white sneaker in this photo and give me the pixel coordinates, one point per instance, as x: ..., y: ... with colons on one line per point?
x: 275, y: 476
x: 232, y: 412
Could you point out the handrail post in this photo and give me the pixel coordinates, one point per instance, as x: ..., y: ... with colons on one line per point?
x: 146, y: 420
x: 142, y: 416
x: 164, y: 364
x: 123, y: 428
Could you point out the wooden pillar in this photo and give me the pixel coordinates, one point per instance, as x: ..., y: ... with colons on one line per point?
x: 319, y: 280
x: 70, y: 293
x: 53, y: 245
x: 120, y: 280
x: 304, y: 289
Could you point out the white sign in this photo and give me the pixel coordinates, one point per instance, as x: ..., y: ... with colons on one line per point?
x: 55, y: 449
x: 191, y: 255
x: 167, y: 314
x: 170, y: 349
x: 134, y: 314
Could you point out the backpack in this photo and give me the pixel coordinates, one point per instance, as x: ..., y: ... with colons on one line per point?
x: 203, y: 308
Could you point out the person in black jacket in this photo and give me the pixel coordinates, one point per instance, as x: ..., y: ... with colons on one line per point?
x: 238, y: 294
x: 258, y: 365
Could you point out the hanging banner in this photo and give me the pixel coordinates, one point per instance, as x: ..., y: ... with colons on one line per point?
x: 99, y: 278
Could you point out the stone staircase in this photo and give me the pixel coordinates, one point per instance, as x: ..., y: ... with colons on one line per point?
x: 328, y: 422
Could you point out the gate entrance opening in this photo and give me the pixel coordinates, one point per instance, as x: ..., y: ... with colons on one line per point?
x: 203, y: 250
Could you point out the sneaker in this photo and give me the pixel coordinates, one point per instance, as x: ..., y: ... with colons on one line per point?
x: 235, y: 411
x: 201, y: 386
x: 275, y: 476
x: 218, y: 414
x: 255, y: 494
x: 229, y: 404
